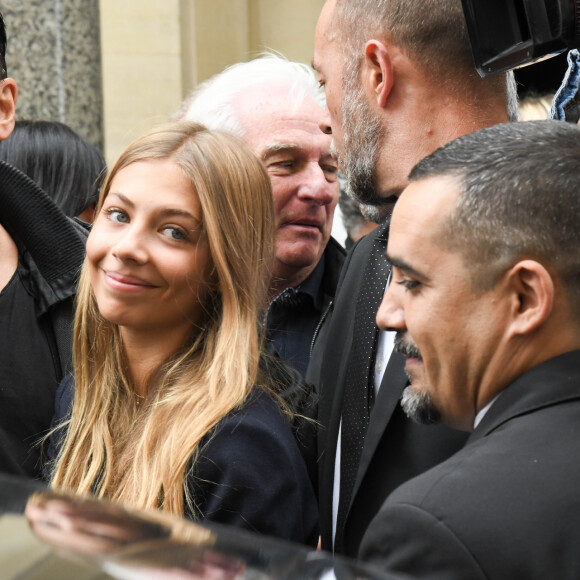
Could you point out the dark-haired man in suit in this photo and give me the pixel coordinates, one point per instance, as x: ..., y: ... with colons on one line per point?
x: 485, y: 301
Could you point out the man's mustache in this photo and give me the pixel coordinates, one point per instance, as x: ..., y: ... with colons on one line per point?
x: 406, y: 348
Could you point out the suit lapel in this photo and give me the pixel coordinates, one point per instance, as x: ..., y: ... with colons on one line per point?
x: 392, y: 385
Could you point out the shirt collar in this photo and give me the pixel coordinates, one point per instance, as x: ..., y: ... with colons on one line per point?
x: 483, y: 411
x: 313, y: 284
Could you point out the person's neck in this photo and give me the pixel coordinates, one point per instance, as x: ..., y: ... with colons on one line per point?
x: 448, y: 117
x: 8, y: 258
x: 515, y: 356
x: 422, y: 118
x: 145, y: 352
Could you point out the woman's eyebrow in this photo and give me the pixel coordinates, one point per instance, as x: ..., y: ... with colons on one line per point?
x: 165, y: 212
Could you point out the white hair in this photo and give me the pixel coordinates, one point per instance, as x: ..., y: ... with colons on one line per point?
x: 212, y: 103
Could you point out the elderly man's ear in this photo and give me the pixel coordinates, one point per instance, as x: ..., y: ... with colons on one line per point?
x: 8, y: 96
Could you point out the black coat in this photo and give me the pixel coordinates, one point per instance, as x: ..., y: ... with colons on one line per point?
x: 505, y: 506
x: 249, y: 473
x: 396, y: 449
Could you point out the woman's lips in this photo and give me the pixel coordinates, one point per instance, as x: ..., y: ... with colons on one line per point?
x: 126, y: 283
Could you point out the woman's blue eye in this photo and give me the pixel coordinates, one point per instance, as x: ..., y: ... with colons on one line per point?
x: 116, y: 215
x: 175, y: 233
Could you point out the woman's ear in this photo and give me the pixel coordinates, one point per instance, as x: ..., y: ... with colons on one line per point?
x: 378, y: 71
x: 531, y: 290
x: 8, y: 96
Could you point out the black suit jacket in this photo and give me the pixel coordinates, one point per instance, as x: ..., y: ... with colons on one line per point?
x: 505, y: 506
x: 395, y: 449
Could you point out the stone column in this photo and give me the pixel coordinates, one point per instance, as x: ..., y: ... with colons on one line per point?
x: 55, y: 57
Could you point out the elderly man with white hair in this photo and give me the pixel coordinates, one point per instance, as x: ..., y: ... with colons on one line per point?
x: 274, y: 106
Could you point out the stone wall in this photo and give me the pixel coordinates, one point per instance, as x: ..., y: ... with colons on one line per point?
x: 55, y: 57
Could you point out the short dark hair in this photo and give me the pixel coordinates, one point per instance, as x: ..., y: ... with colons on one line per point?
x: 3, y: 71
x: 431, y: 32
x: 519, y: 197
x: 59, y: 160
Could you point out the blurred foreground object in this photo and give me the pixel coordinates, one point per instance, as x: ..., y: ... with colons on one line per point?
x: 87, y: 538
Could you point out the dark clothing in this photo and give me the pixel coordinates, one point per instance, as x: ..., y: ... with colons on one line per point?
x: 295, y: 314
x: 506, y: 505
x: 395, y: 448
x: 27, y: 344
x: 293, y: 317
x: 35, y: 317
x: 249, y: 473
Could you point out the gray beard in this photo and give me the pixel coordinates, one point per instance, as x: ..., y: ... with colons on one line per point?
x: 418, y: 406
x: 363, y: 135
x: 371, y: 213
x: 376, y: 213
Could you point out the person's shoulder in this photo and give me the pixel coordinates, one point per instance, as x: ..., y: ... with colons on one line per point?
x: 361, y: 251
x: 250, y: 473
x: 64, y: 397
x: 259, y: 412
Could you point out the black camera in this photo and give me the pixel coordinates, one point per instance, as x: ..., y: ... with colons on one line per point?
x: 508, y: 34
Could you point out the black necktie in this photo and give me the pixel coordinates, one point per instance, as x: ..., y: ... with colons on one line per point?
x: 359, y: 385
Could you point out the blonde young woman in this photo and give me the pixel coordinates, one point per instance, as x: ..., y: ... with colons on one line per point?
x: 173, y: 405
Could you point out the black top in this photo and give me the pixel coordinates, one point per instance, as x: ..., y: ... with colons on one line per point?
x: 294, y: 316
x: 250, y: 475
x: 35, y: 316
x: 26, y: 394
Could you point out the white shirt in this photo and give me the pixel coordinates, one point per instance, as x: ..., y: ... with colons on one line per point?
x: 483, y: 411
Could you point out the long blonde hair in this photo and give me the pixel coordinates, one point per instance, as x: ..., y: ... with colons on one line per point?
x: 143, y: 456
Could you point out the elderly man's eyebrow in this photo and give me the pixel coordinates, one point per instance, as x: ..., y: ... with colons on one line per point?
x: 274, y: 148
